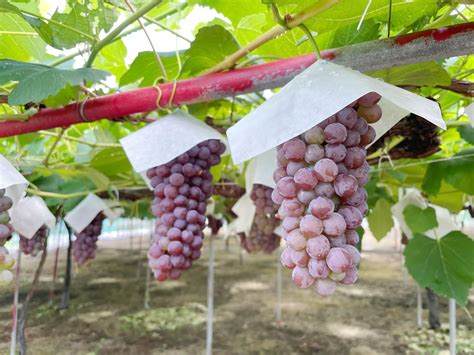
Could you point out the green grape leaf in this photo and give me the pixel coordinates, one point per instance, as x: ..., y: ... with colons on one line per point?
x: 445, y: 265
x: 19, y: 47
x: 111, y: 161
x: 37, y: 82
x: 419, y: 74
x: 467, y: 133
x: 420, y: 220
x: 457, y: 172
x: 145, y: 69
x: 348, y: 35
x: 250, y: 27
x: 211, y: 45
x: 112, y: 58
x: 107, y: 17
x: 380, y: 219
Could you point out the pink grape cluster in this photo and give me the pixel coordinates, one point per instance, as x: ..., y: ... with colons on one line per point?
x: 6, y: 230
x: 320, y: 182
x: 85, y: 246
x: 36, y: 244
x: 261, y: 236
x: 182, y: 188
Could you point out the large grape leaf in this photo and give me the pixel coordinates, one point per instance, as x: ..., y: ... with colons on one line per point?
x: 37, y: 82
x: 65, y: 30
x: 467, y: 133
x: 112, y: 58
x: 458, y: 172
x: 446, y: 265
x: 250, y: 27
x: 380, y: 219
x: 347, y: 12
x: 347, y: 35
x: 211, y: 45
x: 419, y: 74
x: 25, y: 44
x: 145, y: 69
x: 420, y: 220
x: 111, y: 161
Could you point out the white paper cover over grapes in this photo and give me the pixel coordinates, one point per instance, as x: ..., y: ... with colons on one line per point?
x: 29, y: 215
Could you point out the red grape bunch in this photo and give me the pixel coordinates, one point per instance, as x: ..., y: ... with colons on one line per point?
x: 320, y: 182
x: 85, y: 245
x: 182, y: 188
x: 261, y: 236
x: 6, y: 230
x: 36, y: 244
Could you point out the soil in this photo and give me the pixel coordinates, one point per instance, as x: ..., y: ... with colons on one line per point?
x: 107, y: 315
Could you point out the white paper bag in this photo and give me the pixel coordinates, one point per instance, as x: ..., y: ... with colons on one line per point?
x: 245, y: 211
x: 85, y: 212
x: 446, y: 222
x: 165, y: 139
x: 11, y: 180
x: 260, y: 170
x: 312, y: 96
x: 29, y: 215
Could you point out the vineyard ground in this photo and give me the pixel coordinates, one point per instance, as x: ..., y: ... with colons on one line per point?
x: 106, y: 315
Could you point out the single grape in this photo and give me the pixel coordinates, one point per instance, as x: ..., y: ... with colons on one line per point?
x: 325, y: 287
x: 334, y: 224
x: 339, y: 260
x: 321, y: 207
x: 314, y: 135
x: 352, y: 237
x: 310, y: 226
x: 294, y: 149
x: 352, y: 216
x: 295, y: 240
x: 305, y: 178
x: 318, y: 268
x: 335, y: 133
x: 313, y: 153
x: 355, y: 157
x: 324, y: 189
x: 301, y: 277
x: 290, y: 223
x: 354, y: 252
x: 368, y: 137
x: 291, y: 208
x: 337, y: 241
x: 371, y: 114
x: 351, y: 276
x: 369, y: 99
x: 299, y: 257
x: 335, y: 152
x: 293, y: 167
x: 353, y: 138
x: 345, y: 185
x: 326, y: 170
x: 318, y: 247
x: 286, y: 187
x: 347, y: 116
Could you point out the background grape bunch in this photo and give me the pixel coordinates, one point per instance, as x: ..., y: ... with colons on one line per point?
x: 36, y: 244
x: 182, y: 188
x: 85, y: 245
x: 320, y: 180
x: 6, y: 230
x: 261, y: 236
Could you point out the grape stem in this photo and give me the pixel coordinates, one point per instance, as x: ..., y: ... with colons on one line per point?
x: 115, y: 32
x: 274, y: 32
x: 123, y: 34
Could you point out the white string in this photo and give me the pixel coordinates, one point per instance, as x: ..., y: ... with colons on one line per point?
x: 426, y: 162
x: 364, y: 14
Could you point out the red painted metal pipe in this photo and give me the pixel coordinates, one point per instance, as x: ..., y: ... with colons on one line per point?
x: 431, y: 44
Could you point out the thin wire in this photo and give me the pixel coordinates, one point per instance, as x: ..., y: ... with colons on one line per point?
x: 389, y: 19
x: 426, y: 162
x: 364, y: 14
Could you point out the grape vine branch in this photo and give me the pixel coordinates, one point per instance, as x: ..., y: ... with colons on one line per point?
x: 412, y: 48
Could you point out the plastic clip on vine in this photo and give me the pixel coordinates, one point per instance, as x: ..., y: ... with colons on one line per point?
x: 6, y: 230
x: 85, y: 246
x: 182, y: 188
x: 36, y: 244
x: 320, y: 182
x: 261, y: 236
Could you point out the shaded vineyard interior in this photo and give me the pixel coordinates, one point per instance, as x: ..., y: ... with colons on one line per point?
x: 106, y: 315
